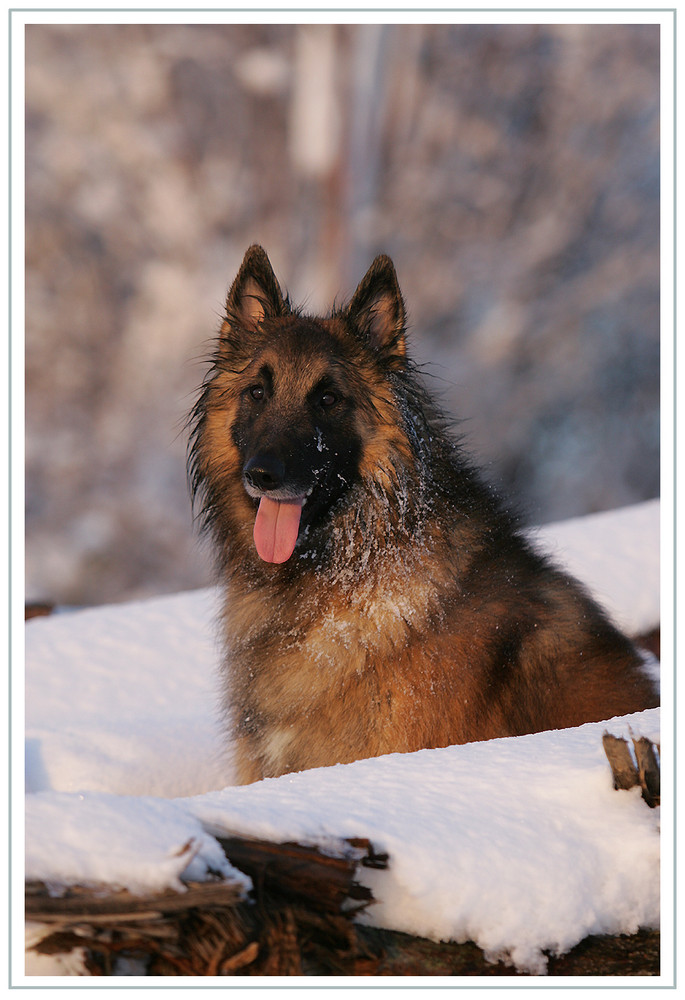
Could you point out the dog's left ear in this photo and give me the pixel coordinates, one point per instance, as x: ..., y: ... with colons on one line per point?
x: 377, y: 309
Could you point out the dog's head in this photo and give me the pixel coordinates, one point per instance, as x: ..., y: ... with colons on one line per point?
x: 302, y: 403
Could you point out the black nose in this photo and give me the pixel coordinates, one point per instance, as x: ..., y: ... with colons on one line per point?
x: 265, y: 472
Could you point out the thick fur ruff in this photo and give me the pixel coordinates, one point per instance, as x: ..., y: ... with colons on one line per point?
x: 379, y: 596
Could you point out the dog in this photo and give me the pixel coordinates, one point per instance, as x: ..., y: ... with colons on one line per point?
x: 380, y: 597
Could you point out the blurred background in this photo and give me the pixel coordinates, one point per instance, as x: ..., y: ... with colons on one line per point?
x: 512, y: 172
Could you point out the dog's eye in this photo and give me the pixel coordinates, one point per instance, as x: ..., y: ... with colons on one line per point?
x: 328, y: 399
x: 257, y: 392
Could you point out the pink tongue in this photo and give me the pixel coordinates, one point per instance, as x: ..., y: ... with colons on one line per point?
x: 276, y: 528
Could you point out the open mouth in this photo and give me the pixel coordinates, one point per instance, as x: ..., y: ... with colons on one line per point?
x: 276, y: 528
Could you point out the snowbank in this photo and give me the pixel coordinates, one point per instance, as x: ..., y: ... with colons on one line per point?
x: 616, y: 555
x: 520, y: 845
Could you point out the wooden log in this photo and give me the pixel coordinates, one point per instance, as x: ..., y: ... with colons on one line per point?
x: 304, y: 872
x: 210, y: 931
x: 623, y: 767
x: 648, y: 771
x: 628, y: 771
x: 100, y: 905
x: 298, y: 920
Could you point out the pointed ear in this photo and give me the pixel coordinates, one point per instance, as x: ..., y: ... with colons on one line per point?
x: 255, y: 294
x: 377, y: 309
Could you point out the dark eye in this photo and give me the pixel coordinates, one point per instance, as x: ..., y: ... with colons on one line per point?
x: 328, y: 399
x: 257, y: 392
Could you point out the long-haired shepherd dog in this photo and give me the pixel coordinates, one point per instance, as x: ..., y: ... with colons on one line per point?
x: 379, y: 597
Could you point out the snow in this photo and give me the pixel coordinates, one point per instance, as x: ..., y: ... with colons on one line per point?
x: 122, y: 699
x: 521, y: 845
x: 140, y: 843
x: 616, y: 555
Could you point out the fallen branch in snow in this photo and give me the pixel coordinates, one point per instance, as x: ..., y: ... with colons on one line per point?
x: 86, y: 905
x: 299, y: 923
x: 327, y: 882
x: 638, y: 768
x: 302, y: 922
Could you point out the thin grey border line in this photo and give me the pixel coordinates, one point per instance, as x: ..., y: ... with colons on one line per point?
x: 16, y: 10
x: 674, y: 790
x: 9, y: 497
x: 351, y: 10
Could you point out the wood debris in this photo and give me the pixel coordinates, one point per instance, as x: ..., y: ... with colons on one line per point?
x: 639, y: 767
x: 298, y: 921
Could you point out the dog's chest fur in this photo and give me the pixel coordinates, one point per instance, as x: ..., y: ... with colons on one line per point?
x: 331, y: 681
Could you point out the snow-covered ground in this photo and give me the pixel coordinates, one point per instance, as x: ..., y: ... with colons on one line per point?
x: 520, y: 845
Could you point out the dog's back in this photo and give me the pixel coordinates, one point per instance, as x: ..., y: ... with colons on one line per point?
x: 379, y: 596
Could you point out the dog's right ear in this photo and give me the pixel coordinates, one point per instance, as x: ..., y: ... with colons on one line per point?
x: 255, y: 295
x: 377, y: 311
